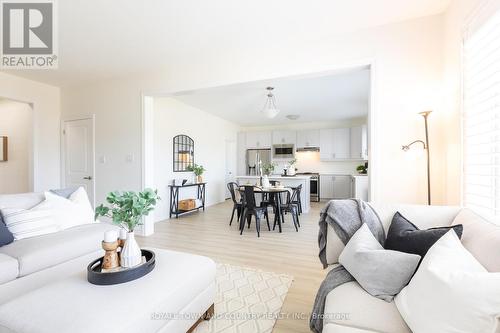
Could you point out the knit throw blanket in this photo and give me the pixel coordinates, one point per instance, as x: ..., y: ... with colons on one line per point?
x: 346, y: 217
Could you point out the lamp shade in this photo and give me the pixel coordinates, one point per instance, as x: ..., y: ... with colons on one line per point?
x: 270, y: 112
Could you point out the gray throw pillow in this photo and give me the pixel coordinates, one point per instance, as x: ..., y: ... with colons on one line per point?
x: 382, y: 273
x: 65, y: 192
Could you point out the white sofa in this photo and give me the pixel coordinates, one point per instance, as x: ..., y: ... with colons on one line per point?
x: 44, y: 288
x: 353, y: 310
x: 31, y: 255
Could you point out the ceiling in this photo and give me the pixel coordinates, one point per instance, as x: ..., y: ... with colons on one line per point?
x: 341, y: 96
x: 109, y: 38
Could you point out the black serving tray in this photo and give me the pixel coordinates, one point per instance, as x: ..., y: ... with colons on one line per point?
x: 95, y: 276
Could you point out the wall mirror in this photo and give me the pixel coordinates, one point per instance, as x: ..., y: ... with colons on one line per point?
x: 183, y: 153
x: 3, y: 149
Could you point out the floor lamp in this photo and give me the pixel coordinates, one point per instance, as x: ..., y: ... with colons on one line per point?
x: 424, y: 114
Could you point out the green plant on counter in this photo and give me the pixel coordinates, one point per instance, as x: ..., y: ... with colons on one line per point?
x: 362, y: 169
x: 127, y: 208
x: 197, y: 169
x: 268, y: 168
x: 292, y: 162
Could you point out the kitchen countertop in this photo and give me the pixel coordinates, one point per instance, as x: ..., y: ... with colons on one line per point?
x: 304, y: 177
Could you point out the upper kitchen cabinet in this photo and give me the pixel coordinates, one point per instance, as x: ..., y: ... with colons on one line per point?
x: 359, y: 143
x: 308, y: 139
x: 334, y: 144
x: 284, y: 137
x: 258, y: 140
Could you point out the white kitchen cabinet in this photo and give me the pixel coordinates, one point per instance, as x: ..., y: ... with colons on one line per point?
x: 308, y: 138
x: 325, y: 187
x: 284, y: 137
x: 341, y: 143
x: 359, y: 143
x: 326, y: 144
x: 258, y: 140
x: 342, y: 187
x: 334, y: 144
x: 335, y: 186
x: 359, y: 187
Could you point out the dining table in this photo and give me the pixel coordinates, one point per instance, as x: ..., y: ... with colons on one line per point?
x: 274, y: 193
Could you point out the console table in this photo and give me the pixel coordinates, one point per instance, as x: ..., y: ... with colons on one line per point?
x: 174, y: 198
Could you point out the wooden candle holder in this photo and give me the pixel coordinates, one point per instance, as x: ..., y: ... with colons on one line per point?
x: 111, y: 259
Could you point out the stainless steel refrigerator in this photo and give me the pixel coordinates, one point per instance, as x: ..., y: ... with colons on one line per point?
x: 256, y: 158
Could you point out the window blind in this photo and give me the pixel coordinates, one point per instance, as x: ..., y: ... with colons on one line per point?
x: 481, y: 119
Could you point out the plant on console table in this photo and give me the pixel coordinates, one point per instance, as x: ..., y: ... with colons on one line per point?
x: 198, y: 171
x: 127, y: 209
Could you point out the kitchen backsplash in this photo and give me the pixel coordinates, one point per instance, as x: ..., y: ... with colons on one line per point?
x: 310, y: 162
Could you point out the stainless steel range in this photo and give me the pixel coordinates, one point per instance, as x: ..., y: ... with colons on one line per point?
x: 314, y: 185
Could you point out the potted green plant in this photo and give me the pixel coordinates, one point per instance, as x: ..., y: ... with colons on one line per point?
x: 268, y: 168
x: 127, y: 209
x: 362, y: 170
x: 198, y: 170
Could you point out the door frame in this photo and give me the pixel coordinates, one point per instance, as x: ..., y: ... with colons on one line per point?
x: 227, y: 144
x: 32, y: 149
x: 373, y: 124
x: 63, y: 152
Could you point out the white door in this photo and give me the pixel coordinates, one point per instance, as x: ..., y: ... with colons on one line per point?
x: 78, y: 154
x: 230, y: 164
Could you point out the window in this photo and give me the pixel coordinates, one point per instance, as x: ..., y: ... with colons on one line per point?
x: 481, y: 118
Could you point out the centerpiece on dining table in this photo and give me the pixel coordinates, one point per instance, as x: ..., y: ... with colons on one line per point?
x: 267, y: 170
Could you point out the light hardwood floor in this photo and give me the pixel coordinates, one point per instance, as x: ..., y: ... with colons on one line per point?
x: 295, y: 253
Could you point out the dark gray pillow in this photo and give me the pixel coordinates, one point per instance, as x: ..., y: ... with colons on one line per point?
x: 6, y: 236
x: 382, y: 273
x: 65, y: 192
x: 406, y: 237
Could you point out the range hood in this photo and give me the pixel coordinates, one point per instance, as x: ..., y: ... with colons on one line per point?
x: 315, y: 149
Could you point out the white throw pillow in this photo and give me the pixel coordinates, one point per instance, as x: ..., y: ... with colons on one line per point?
x: 451, y: 292
x: 25, y: 223
x: 70, y: 212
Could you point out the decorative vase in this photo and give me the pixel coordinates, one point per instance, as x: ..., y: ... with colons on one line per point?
x: 199, y: 179
x: 265, y: 181
x: 291, y: 170
x: 131, y: 254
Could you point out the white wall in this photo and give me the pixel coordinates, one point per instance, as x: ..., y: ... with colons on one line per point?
x: 16, y: 123
x: 408, y: 72
x: 45, y: 102
x: 209, y: 133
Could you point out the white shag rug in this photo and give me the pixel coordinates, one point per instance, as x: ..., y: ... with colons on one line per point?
x: 246, y: 300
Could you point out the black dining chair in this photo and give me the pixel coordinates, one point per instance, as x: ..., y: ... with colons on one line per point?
x: 292, y: 208
x: 237, y: 202
x: 297, y: 200
x: 250, y: 208
x: 267, y: 199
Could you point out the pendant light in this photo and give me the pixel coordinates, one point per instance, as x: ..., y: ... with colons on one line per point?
x: 270, y: 110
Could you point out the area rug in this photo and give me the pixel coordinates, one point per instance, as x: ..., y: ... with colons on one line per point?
x: 246, y: 300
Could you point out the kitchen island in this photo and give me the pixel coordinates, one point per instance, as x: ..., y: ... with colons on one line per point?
x: 287, y: 181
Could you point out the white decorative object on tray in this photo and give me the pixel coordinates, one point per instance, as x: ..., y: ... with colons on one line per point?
x: 265, y: 182
x: 130, y: 255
